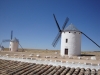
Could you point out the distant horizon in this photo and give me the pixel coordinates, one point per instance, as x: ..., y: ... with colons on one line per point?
x: 59, y: 50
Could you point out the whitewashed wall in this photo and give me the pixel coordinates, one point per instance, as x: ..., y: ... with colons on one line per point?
x: 14, y: 46
x: 73, y: 44
x: 10, y: 46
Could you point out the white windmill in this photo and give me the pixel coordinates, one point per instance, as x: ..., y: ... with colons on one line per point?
x: 14, y: 43
x: 70, y: 39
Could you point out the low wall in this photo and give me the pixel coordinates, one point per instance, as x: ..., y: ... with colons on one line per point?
x: 54, y: 63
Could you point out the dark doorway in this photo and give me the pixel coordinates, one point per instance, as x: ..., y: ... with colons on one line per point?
x: 66, y: 51
x: 66, y: 40
x: 10, y: 49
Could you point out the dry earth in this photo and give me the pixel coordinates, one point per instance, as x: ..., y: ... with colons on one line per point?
x: 54, y: 55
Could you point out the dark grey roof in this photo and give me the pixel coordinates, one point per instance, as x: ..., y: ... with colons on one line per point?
x: 71, y: 27
x: 15, y: 40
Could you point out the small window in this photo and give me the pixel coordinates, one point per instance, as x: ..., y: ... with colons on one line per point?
x: 74, y: 32
x: 66, y: 40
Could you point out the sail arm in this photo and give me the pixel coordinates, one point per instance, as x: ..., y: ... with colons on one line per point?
x: 90, y: 39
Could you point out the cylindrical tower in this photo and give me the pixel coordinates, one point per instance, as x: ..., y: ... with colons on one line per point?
x: 10, y: 46
x: 71, y: 41
x: 14, y: 45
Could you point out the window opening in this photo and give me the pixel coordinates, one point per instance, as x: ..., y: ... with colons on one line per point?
x: 66, y: 40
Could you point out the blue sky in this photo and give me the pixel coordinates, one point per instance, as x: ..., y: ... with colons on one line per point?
x: 33, y: 24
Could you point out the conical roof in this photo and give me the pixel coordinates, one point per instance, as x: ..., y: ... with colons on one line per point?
x: 71, y: 27
x: 15, y: 40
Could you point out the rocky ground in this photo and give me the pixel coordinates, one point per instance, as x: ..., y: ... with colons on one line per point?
x: 86, y: 57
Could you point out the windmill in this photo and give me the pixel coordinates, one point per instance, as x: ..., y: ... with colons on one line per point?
x: 70, y: 39
x: 13, y: 43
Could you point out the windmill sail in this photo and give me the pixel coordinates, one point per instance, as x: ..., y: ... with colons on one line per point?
x: 57, y: 23
x: 56, y: 39
x: 60, y: 31
x: 6, y: 40
x: 0, y: 43
x: 66, y: 21
x: 91, y: 39
x: 21, y: 46
x: 11, y: 35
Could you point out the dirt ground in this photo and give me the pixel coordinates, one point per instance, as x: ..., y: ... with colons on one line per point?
x: 54, y: 55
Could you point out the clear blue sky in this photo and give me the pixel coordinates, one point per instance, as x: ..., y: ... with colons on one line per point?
x: 33, y: 24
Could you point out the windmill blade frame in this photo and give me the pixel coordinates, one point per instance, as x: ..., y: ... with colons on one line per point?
x: 90, y: 39
x: 57, y: 23
x: 65, y: 23
x: 0, y: 44
x: 56, y: 39
x: 21, y: 46
x: 6, y: 40
x: 11, y: 35
x: 60, y: 31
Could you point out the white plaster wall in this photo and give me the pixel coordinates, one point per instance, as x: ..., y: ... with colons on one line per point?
x: 73, y: 44
x: 10, y: 46
x: 14, y: 46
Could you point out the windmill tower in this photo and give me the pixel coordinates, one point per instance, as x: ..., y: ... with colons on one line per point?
x: 10, y: 40
x: 70, y: 39
x: 14, y: 43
